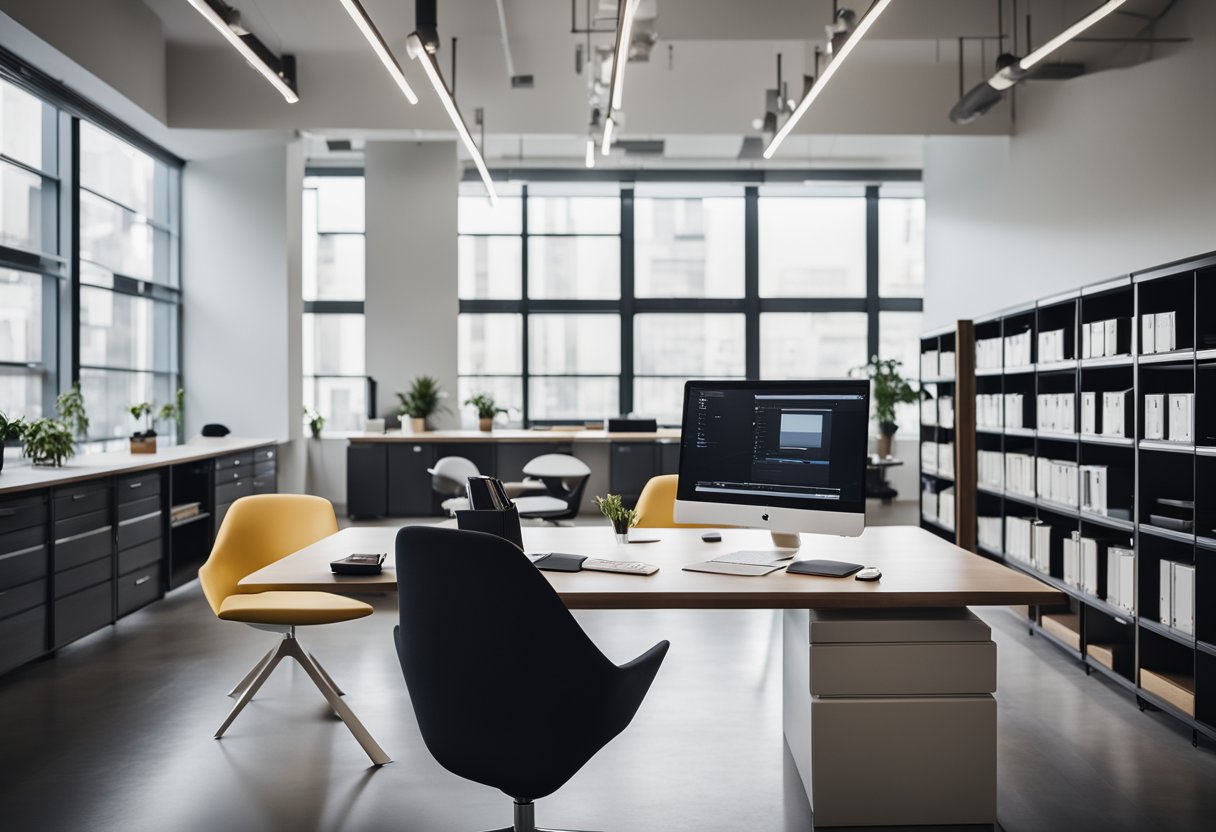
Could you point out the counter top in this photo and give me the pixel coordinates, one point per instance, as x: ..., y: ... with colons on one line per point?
x: 516, y: 435
x: 20, y: 475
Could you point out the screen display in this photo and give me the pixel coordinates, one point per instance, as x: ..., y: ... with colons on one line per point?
x: 797, y: 444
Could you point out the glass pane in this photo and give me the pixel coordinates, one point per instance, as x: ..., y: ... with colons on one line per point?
x: 688, y: 248
x: 574, y: 267
x: 340, y: 267
x: 21, y: 208
x: 128, y: 332
x: 20, y: 392
x: 117, y: 239
x: 659, y: 398
x: 489, y: 345
x: 21, y: 126
x: 899, y: 338
x: 574, y: 344
x: 490, y: 268
x: 555, y: 397
x: 507, y: 391
x: 901, y: 248
x: 110, y: 166
x: 20, y: 317
x: 339, y: 203
x: 812, y: 247
x: 475, y: 215
x: 805, y: 345
x: 705, y: 345
x: 108, y: 394
x: 342, y: 401
x: 574, y: 215
x: 333, y: 345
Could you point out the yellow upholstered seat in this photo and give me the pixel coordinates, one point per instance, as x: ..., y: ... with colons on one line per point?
x: 657, y: 503
x: 297, y: 608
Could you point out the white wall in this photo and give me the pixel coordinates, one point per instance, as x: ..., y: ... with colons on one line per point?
x: 1106, y: 174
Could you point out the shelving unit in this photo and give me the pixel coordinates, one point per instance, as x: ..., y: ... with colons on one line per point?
x: 1160, y: 491
x: 949, y: 394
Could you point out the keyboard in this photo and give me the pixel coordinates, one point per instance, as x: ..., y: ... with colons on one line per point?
x: 625, y: 567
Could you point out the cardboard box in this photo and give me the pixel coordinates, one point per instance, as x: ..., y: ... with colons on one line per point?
x: 1107, y: 655
x: 1089, y: 413
x: 1116, y: 413
x: 1177, y: 689
x: 1166, y: 336
x: 1154, y: 416
x: 1065, y: 626
x: 1111, y: 341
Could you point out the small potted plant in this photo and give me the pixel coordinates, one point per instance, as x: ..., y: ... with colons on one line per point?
x: 315, y: 422
x: 421, y: 402
x: 622, y: 518
x: 48, y: 442
x: 10, y: 430
x: 487, y: 409
x: 890, y: 388
x: 70, y: 406
x: 175, y: 410
x: 143, y: 442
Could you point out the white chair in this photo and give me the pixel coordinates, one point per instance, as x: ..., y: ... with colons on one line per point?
x: 450, y: 479
x: 565, y: 478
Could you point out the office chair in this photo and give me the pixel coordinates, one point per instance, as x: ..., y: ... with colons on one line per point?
x: 450, y: 479
x: 657, y: 504
x: 508, y: 690
x: 565, y: 477
x: 256, y: 532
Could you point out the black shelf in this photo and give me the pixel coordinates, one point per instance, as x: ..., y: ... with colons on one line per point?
x: 1115, y: 676
x: 1168, y: 534
x: 1169, y: 632
x: 1109, y: 608
x: 1109, y: 522
x: 186, y: 521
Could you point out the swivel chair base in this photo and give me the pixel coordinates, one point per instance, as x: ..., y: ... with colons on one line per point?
x: 525, y: 820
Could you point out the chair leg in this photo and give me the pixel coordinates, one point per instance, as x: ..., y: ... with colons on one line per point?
x: 251, y: 675
x: 525, y: 819
x: 328, y: 678
x: 252, y: 688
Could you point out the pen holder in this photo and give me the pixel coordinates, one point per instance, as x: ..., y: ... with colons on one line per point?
x: 504, y: 524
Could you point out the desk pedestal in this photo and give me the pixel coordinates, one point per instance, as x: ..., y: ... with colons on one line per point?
x: 890, y: 717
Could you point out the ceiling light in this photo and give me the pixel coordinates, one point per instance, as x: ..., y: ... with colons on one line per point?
x: 590, y: 158
x: 606, y: 144
x: 279, y: 71
x: 358, y: 14
x: 848, y: 46
x: 620, y: 56
x: 414, y: 46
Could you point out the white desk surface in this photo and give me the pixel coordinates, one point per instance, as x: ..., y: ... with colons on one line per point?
x: 517, y: 435
x: 919, y: 570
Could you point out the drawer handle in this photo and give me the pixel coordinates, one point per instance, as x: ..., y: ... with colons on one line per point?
x: 8, y: 512
x: 236, y: 462
x: 76, y: 497
x: 135, y: 485
x: 143, y: 580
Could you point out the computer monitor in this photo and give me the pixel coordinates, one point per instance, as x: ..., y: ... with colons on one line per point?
x: 787, y: 456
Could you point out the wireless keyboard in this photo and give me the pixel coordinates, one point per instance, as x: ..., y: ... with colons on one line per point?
x: 626, y: 567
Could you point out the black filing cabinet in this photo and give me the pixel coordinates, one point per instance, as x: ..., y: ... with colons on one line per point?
x: 367, y: 479
x: 140, y: 539
x: 409, y: 483
x: 24, y: 574
x: 266, y: 470
x: 234, y: 476
x: 82, y: 560
x: 632, y: 465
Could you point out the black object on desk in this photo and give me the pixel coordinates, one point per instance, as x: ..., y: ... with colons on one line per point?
x: 824, y: 568
x: 363, y: 564
x: 560, y: 562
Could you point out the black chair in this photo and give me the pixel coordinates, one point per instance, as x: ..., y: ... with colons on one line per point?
x: 508, y: 690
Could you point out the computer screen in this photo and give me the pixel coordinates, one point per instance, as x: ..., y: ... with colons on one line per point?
x: 793, y: 445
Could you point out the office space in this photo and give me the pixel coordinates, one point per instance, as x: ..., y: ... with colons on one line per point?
x: 242, y: 204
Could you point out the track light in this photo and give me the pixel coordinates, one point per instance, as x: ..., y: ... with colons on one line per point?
x: 983, y: 97
x: 369, y: 31
x: 606, y: 143
x: 620, y: 56
x: 589, y: 161
x: 417, y: 50
x: 863, y: 26
x: 279, y: 71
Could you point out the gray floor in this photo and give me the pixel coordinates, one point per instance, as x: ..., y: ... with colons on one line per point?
x: 114, y: 734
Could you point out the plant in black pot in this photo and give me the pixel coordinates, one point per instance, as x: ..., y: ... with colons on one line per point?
x: 423, y: 401
x: 48, y: 442
x: 888, y: 389
x: 11, y: 430
x: 142, y: 441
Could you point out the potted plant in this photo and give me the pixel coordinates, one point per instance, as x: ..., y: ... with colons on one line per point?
x: 315, y: 422
x: 487, y: 409
x: 10, y: 429
x: 48, y: 442
x: 175, y: 410
x: 143, y: 442
x: 70, y: 406
x: 622, y: 518
x: 421, y: 402
x: 890, y: 388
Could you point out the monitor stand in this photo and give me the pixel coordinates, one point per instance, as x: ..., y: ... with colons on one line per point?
x: 787, y: 541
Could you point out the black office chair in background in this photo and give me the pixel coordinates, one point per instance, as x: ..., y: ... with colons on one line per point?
x: 508, y: 690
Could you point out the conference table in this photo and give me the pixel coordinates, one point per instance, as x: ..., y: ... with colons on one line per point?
x: 887, y: 685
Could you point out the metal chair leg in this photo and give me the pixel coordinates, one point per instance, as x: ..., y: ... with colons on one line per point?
x: 251, y: 675
x: 253, y: 686
x: 328, y: 678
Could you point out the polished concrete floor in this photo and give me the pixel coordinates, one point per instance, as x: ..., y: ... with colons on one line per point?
x: 115, y: 734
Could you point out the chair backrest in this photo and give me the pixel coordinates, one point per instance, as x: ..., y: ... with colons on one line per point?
x: 657, y: 504
x: 450, y: 476
x: 556, y: 466
x: 256, y: 532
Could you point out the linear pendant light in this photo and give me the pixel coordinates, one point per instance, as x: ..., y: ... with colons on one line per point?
x: 606, y: 144
x: 863, y: 26
x: 248, y: 46
x: 589, y: 161
x: 417, y: 51
x: 359, y: 15
x: 1010, y: 75
x: 626, y: 10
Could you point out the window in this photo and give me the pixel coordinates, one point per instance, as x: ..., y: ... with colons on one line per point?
x: 901, y: 248
x: 335, y: 374
x: 688, y: 247
x: 574, y: 365
x: 796, y: 345
x: 670, y: 348
x: 812, y: 247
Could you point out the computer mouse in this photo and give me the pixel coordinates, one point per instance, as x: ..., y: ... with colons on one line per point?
x: 868, y: 574
x: 712, y: 537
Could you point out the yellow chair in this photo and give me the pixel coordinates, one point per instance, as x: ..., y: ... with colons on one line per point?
x: 256, y: 532
x: 656, y: 505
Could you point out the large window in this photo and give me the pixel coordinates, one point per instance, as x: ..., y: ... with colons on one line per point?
x: 580, y: 301
x: 335, y: 376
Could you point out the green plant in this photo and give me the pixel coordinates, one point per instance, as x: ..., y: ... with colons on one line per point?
x: 423, y: 399
x: 487, y: 408
x: 11, y: 428
x: 622, y: 518
x: 143, y: 410
x: 889, y: 389
x: 48, y: 442
x: 174, y: 410
x: 315, y: 422
x: 70, y: 406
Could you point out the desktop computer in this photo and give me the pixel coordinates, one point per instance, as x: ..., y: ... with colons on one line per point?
x: 787, y: 456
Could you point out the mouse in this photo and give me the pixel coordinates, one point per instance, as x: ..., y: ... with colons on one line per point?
x: 870, y: 573
x: 712, y: 537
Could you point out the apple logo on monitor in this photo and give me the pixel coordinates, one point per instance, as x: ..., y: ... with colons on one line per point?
x: 765, y: 517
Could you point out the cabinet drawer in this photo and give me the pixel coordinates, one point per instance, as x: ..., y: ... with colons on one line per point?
x: 22, y: 512
x: 78, y: 615
x: 242, y: 460
x: 22, y: 598
x: 131, y: 559
x: 138, y: 508
x: 138, y: 588
x: 220, y: 511
x: 81, y: 524
x: 22, y: 638
x: 267, y: 454
x: 75, y: 500
x: 138, y: 487
x: 139, y: 530
x: 82, y: 577
x: 266, y: 484
x: 23, y: 565
x: 262, y: 469
x: 81, y: 549
x: 229, y: 492
x: 230, y: 475
x: 22, y: 539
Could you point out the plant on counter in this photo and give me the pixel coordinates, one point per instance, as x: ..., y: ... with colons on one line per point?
x: 613, y: 508
x: 143, y: 441
x: 487, y: 409
x: 10, y: 429
x: 48, y: 442
x: 423, y: 401
x: 315, y: 422
x: 70, y: 407
x: 890, y: 388
x: 174, y: 411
